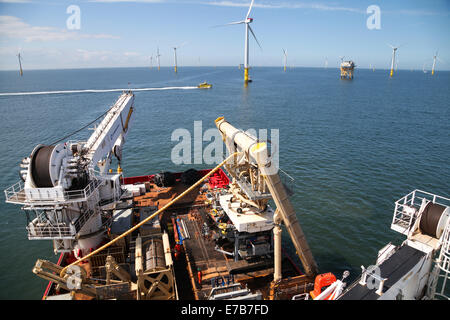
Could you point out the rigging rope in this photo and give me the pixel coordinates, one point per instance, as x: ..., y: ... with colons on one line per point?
x: 84, y: 127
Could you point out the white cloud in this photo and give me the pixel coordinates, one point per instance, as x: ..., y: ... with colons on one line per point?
x: 15, y: 1
x: 142, y: 1
x: 15, y: 28
x: 284, y: 5
x: 51, y: 58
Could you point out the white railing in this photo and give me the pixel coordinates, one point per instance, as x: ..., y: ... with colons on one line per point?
x: 49, y: 231
x: 17, y: 194
x: 407, y: 209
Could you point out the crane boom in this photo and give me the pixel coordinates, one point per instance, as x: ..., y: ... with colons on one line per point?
x: 111, y: 132
x: 255, y: 153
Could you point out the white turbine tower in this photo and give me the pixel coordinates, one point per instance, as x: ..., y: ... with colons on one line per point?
x: 157, y: 58
x: 326, y: 63
x: 175, y: 56
x: 151, y: 61
x: 247, y: 22
x: 285, y: 59
x: 394, y: 50
x: 435, y: 57
x: 20, y: 64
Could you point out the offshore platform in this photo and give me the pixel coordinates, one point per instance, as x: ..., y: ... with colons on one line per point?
x: 347, y: 68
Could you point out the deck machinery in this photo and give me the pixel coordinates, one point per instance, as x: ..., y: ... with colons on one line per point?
x: 255, y: 180
x: 66, y: 189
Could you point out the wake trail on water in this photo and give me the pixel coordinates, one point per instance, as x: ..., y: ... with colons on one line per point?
x: 93, y: 91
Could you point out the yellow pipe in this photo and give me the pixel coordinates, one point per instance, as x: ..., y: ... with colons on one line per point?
x: 128, y: 118
x: 246, y: 74
x: 392, y: 73
x: 63, y: 271
x: 176, y: 69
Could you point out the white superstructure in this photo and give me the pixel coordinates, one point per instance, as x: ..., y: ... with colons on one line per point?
x: 66, y: 188
x: 418, y: 268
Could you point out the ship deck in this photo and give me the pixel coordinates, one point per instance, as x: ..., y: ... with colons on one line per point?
x: 198, y: 252
x: 393, y: 269
x: 219, y: 268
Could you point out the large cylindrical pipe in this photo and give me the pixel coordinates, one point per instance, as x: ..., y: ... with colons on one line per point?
x: 277, y: 253
x: 277, y: 275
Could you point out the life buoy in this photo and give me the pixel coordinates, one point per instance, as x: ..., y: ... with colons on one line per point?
x: 322, y: 281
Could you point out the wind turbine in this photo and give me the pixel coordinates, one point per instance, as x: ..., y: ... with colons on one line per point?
x: 247, y: 22
x: 151, y: 61
x: 175, y: 56
x: 20, y: 64
x: 157, y: 58
x: 285, y: 59
x: 394, y: 50
x: 326, y: 63
x: 434, y: 62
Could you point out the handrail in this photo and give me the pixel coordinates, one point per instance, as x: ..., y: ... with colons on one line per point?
x: 402, y: 219
x: 63, y: 271
x: 12, y: 193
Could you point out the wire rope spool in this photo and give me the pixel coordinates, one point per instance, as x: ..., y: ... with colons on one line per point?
x: 45, y: 164
x: 433, y: 219
x: 155, y: 256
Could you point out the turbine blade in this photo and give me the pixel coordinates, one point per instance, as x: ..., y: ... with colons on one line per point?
x: 227, y: 24
x: 253, y: 34
x: 249, y: 10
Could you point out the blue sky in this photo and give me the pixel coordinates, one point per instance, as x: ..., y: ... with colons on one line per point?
x: 117, y: 33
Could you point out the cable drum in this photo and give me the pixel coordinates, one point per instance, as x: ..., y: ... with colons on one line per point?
x: 154, y: 256
x: 40, y: 167
x: 434, y: 217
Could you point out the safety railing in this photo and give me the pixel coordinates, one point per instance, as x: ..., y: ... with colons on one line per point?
x: 407, y: 209
x: 50, y: 231
x: 43, y: 196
